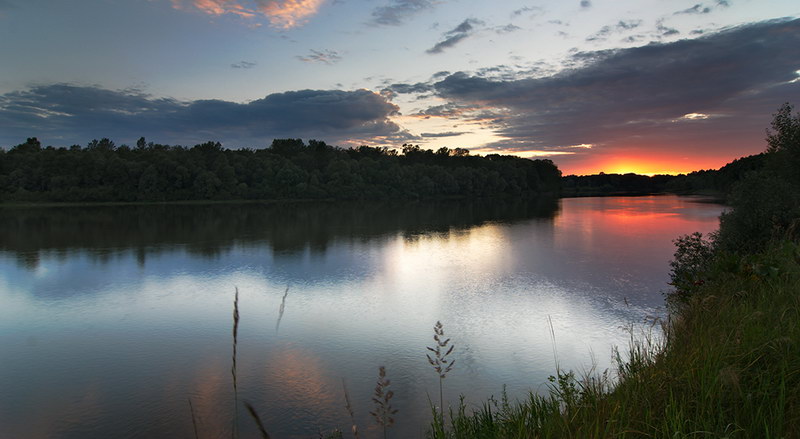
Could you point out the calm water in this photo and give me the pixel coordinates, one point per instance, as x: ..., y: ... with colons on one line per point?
x: 113, y: 318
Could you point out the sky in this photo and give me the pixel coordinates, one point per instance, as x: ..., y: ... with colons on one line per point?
x: 646, y: 86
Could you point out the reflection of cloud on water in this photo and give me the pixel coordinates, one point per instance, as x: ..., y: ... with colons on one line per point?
x: 65, y: 413
x: 210, y: 389
x: 299, y: 390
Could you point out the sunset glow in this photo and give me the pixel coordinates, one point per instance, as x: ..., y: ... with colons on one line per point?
x: 643, y: 166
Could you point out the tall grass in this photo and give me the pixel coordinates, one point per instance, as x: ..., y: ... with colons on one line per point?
x: 382, y: 398
x: 441, y: 361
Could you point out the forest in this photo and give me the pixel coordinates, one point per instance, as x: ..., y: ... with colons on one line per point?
x: 287, y: 169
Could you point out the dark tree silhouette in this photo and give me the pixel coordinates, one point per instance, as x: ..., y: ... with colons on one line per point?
x: 287, y: 169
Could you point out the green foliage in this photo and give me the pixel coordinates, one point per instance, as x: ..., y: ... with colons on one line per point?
x: 766, y: 204
x: 692, y: 261
x: 288, y: 169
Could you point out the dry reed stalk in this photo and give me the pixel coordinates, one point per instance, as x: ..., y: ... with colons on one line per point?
x: 257, y: 419
x: 235, y: 430
x: 553, y: 341
x: 383, y: 408
x: 194, y: 421
x: 282, y: 308
x: 349, y: 407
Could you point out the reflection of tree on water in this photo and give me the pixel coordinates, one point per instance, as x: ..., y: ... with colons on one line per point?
x: 214, y: 229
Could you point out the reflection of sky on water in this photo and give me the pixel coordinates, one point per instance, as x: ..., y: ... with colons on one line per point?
x: 115, y: 345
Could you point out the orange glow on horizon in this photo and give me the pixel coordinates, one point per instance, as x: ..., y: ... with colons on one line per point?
x: 643, y: 165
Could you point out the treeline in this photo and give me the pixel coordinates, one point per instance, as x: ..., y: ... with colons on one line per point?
x: 716, y: 181
x: 288, y: 169
x: 603, y: 184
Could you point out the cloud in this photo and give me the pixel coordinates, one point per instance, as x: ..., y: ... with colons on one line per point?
x: 398, y: 11
x: 243, y: 65
x: 400, y: 88
x: 65, y: 114
x: 533, y: 10
x: 455, y: 35
x: 444, y: 134
x: 450, y: 110
x: 324, y: 56
x: 638, y: 97
x: 287, y: 14
x: 696, y: 9
x: 620, y: 27
x: 283, y: 14
x: 507, y: 29
x: 586, y: 4
x: 664, y: 31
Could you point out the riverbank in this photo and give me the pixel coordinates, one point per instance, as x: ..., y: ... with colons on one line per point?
x: 727, y: 366
x: 728, y: 363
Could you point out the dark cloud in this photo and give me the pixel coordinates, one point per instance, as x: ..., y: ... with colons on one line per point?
x: 450, y: 110
x: 723, y: 3
x: 444, y: 134
x: 65, y: 114
x: 400, y: 88
x: 321, y: 56
x: 639, y: 95
x: 455, y: 35
x: 586, y: 4
x: 398, y: 11
x: 620, y: 27
x: 696, y: 9
x: 243, y: 65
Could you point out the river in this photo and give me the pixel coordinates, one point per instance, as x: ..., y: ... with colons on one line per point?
x: 116, y: 321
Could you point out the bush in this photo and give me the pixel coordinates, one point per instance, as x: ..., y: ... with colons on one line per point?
x: 691, y: 264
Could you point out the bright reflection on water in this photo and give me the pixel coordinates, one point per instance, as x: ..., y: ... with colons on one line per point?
x: 113, y: 318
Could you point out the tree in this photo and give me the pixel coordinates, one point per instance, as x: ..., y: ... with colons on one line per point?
x: 766, y: 203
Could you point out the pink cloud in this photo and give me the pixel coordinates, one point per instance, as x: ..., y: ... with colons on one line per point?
x: 289, y: 13
x: 284, y: 14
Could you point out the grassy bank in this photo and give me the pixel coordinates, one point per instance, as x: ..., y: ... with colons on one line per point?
x: 729, y: 366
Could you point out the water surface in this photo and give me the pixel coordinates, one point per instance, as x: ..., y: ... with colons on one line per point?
x: 113, y: 318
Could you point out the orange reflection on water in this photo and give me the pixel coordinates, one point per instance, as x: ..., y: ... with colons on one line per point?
x: 210, y: 390
x: 607, y: 226
x: 300, y: 385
